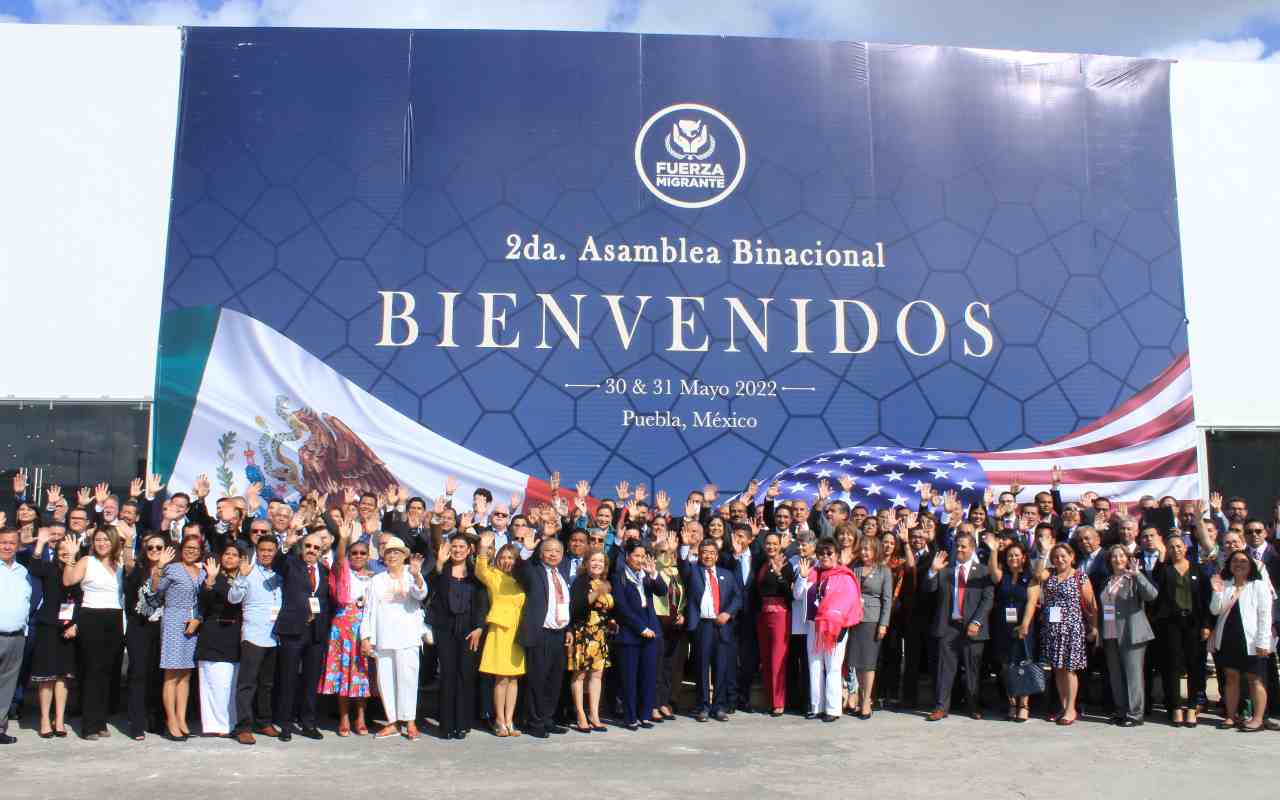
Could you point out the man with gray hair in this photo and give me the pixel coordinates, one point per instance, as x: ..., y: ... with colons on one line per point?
x: 15, y: 606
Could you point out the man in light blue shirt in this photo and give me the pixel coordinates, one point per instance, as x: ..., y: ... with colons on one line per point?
x: 260, y: 602
x: 15, y: 608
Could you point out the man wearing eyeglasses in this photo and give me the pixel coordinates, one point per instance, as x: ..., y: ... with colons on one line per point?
x: 302, y: 628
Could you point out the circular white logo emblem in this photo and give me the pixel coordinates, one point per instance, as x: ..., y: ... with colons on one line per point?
x: 690, y: 155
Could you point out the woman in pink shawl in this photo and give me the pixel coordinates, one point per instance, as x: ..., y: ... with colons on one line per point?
x: 346, y: 669
x: 833, y: 605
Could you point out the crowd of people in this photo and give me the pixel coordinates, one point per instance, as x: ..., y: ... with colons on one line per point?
x: 240, y: 617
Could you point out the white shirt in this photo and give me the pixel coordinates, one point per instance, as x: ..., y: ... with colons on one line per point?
x: 393, y: 612
x: 101, y: 586
x: 1254, y: 601
x: 636, y: 580
x: 557, y: 610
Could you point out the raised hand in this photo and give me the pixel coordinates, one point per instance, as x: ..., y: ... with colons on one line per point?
x: 19, y: 481
x: 210, y: 570
x: 554, y: 483
x: 450, y: 485
x: 939, y: 560
x: 415, y: 565
x: 988, y: 496
x: 1217, y: 583
x: 1055, y: 476
x: 135, y: 488
x: 824, y: 489
x: 641, y: 493
x: 662, y: 501
x: 584, y: 489
x: 438, y: 508
x: 1016, y: 486
x: 514, y: 503
x: 101, y: 492
x: 167, y: 556
x: 710, y: 493
x: 466, y: 521
x: 624, y: 491
x: 154, y: 485
x: 846, y: 483
x: 992, y: 543
x: 1215, y: 502
x: 753, y: 486
x: 926, y: 493
x: 486, y: 541
x: 84, y: 497
x: 775, y: 489
x: 691, y: 509
x: 202, y: 485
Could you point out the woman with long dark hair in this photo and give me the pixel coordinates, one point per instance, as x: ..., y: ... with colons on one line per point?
x: 1010, y: 572
x: 1069, y: 623
x: 875, y: 583
x: 1182, y: 625
x: 457, y: 604
x: 143, y: 609
x: 100, y: 624
x: 590, y: 614
x: 346, y: 668
x: 503, y: 657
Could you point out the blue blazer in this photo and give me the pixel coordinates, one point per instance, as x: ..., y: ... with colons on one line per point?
x: 694, y: 575
x: 632, y: 617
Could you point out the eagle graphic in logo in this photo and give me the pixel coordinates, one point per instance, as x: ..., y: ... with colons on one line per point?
x: 331, y: 456
x: 690, y: 139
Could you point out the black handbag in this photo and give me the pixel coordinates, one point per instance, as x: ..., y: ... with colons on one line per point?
x: 1022, y: 676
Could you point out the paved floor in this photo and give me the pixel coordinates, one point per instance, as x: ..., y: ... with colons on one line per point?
x: 891, y: 755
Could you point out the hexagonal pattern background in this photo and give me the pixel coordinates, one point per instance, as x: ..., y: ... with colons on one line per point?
x: 305, y: 183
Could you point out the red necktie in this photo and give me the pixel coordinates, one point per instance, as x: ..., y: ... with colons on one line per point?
x: 315, y: 579
x: 960, y: 592
x: 555, y: 579
x: 715, y: 590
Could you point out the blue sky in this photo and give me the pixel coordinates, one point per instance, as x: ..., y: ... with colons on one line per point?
x: 1225, y: 29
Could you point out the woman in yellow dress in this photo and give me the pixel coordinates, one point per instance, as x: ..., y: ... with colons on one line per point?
x: 503, y: 657
x: 590, y: 618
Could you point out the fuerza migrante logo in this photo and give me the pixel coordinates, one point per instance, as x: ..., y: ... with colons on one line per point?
x: 690, y: 155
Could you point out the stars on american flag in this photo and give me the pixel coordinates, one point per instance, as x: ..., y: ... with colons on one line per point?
x: 886, y: 476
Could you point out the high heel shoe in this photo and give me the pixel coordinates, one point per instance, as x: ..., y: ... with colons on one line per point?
x: 46, y: 734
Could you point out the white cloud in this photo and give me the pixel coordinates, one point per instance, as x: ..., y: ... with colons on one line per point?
x: 1248, y: 49
x: 1129, y: 28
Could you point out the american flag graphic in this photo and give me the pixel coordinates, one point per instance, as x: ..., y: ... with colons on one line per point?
x: 1147, y: 445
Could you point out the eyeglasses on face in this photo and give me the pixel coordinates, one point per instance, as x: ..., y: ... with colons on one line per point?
x: 154, y: 548
x: 500, y: 514
x: 311, y: 547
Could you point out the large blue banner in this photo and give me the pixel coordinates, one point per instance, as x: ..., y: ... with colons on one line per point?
x: 671, y: 259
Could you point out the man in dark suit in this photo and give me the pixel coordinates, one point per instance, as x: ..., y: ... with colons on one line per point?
x: 918, y: 651
x: 303, y: 630
x: 714, y: 598
x: 542, y: 634
x: 965, y: 596
x: 742, y: 555
x: 634, y: 585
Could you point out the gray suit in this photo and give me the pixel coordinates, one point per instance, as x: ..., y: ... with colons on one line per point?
x: 951, y: 629
x: 1125, y: 641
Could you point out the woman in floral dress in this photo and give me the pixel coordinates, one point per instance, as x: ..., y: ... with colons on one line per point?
x: 590, y: 612
x: 1068, y: 619
x: 346, y: 669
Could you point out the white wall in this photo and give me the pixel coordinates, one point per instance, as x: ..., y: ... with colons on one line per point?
x: 90, y: 115
x: 1226, y: 131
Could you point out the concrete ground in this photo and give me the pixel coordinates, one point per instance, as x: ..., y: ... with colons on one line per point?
x: 892, y: 755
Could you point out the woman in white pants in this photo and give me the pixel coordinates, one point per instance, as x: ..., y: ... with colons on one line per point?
x: 833, y: 604
x: 218, y: 644
x: 392, y: 633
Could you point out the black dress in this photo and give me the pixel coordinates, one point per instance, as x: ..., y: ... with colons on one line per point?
x: 54, y: 656
x: 219, y: 637
x: 1234, y: 652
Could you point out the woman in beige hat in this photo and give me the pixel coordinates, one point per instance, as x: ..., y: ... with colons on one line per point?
x: 392, y: 634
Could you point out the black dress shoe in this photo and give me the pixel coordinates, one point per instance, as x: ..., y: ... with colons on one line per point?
x: 7, y: 739
x: 632, y: 726
x: 721, y: 716
x: 311, y: 733
x: 729, y: 710
x: 701, y: 716
x: 829, y: 718
x: 286, y: 735
x: 537, y: 733
x: 810, y: 715
x: 646, y: 724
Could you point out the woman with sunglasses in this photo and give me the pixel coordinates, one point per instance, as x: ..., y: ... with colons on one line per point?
x: 100, y: 624
x: 53, y: 660
x: 503, y: 657
x: 179, y: 585
x: 392, y: 633
x: 457, y: 604
x: 346, y: 668
x: 1242, y: 638
x: 833, y: 605
x: 218, y: 643
x: 143, y: 610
